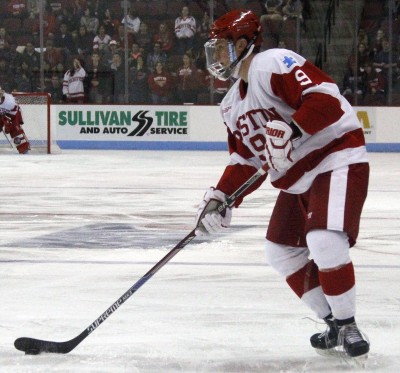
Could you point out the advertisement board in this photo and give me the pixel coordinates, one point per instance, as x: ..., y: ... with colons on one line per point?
x: 183, y: 127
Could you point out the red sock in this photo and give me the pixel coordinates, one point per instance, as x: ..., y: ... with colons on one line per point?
x: 338, y: 281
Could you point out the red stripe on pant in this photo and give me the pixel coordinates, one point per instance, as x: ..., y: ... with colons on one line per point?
x: 305, y: 279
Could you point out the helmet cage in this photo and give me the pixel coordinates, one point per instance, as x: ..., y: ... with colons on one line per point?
x: 215, y: 67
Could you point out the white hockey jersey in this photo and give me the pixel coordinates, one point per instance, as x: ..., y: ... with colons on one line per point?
x: 185, y: 27
x: 283, y: 85
x: 9, y: 105
x: 73, y: 85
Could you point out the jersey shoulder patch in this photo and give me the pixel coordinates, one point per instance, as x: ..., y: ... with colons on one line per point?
x: 278, y: 60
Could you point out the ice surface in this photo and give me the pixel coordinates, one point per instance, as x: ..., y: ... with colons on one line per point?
x: 79, y: 228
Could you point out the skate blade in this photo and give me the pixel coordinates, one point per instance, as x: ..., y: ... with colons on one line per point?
x: 359, y: 361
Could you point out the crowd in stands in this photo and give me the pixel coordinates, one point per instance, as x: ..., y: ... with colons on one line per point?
x: 367, y: 73
x: 163, y: 52
x: 162, y: 49
x: 89, y: 45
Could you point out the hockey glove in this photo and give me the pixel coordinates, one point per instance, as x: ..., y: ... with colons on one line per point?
x: 279, y: 145
x: 208, y: 219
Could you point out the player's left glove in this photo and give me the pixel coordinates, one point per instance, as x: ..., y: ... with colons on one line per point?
x: 279, y: 145
x: 208, y: 219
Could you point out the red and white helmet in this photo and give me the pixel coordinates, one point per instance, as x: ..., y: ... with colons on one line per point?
x: 234, y: 25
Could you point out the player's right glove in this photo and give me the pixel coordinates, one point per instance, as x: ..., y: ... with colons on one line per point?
x: 279, y: 145
x: 208, y: 219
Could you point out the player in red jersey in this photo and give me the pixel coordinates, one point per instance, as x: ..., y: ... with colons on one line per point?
x: 11, y: 121
x: 284, y: 112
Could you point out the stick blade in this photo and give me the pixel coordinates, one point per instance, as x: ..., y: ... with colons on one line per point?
x: 32, y: 346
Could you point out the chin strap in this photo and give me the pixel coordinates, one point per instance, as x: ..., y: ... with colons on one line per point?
x: 236, y: 70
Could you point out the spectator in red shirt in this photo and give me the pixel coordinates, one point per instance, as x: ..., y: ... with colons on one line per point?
x: 189, y: 81
x: 164, y: 37
x: 160, y: 83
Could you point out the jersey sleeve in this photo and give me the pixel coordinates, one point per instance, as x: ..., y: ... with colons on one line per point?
x: 239, y: 170
x: 306, y: 89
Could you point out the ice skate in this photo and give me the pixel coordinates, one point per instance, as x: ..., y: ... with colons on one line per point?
x: 327, y: 339
x: 353, y: 342
x: 345, y: 342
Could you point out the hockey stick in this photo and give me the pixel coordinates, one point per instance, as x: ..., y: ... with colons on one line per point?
x: 32, y: 346
x: 8, y: 140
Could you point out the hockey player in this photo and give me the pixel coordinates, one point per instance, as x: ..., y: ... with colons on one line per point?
x: 11, y: 121
x: 284, y: 112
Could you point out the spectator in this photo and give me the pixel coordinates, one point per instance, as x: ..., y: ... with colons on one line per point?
x: 32, y: 7
x: 273, y: 11
x: 24, y: 79
x: 83, y: 42
x: 377, y: 43
x: 362, y: 57
x: 282, y: 44
x: 160, y: 83
x: 118, y: 79
x: 6, y: 79
x: 99, y: 6
x: 57, y: 6
x: 5, y: 45
x: 109, y: 22
x: 138, y: 87
x: 375, y: 86
x: 144, y: 38
x: 5, y: 39
x: 90, y: 21
x: 101, y: 39
x: 73, y: 83
x: 132, y: 21
x: 363, y: 54
x: 63, y: 40
x: 155, y: 56
x: 52, y: 56
x: 49, y: 22
x: 204, y: 79
x: 68, y: 17
x: 59, y: 70
x: 109, y: 51
x: 362, y: 37
x: 204, y: 28
x: 188, y: 81
x: 382, y: 59
x: 17, y: 8
x: 272, y: 21
x: 292, y: 9
x: 185, y: 31
x: 98, y: 80
x: 119, y: 37
x: 164, y: 37
x: 134, y: 54
x: 31, y: 57
x: 354, y: 85
x: 54, y: 87
x: 79, y: 7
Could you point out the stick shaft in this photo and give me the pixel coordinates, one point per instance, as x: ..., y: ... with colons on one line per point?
x: 146, y: 277
x: 31, y: 345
